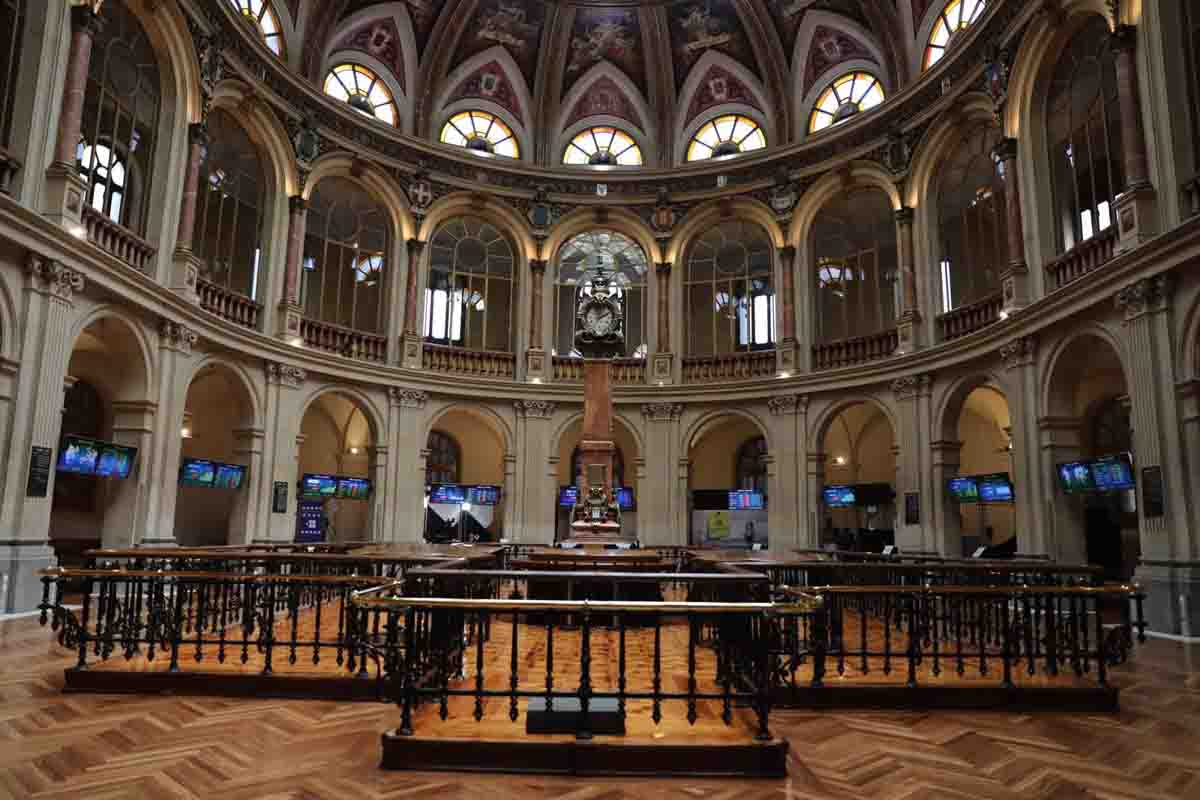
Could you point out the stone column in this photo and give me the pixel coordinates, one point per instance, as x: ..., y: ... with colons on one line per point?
x: 913, y: 469
x: 947, y: 521
x: 510, y: 482
x: 378, y: 520
x: 412, y: 344
x: 133, y: 426
x: 36, y: 421
x: 281, y: 444
x: 289, y: 308
x: 662, y: 369
x: 1136, y: 207
x: 788, y: 526
x: 1019, y: 358
x: 814, y: 483
x: 175, y: 343
x: 537, y: 501
x: 537, y: 368
x: 1014, y: 280
x: 1189, y: 404
x: 658, y: 501
x: 908, y: 325
x: 186, y: 265
x: 1065, y: 536
x: 66, y: 191
x: 1169, y: 550
x: 247, y: 502
x: 407, y: 517
x: 785, y: 349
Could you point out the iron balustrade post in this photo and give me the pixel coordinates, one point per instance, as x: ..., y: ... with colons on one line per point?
x: 691, y: 700
x: 407, y: 671
x: 656, y: 684
x: 763, y: 653
x: 83, y: 623
x: 914, y: 640
x: 549, y: 663
x: 512, y: 678
x: 479, y: 623
x: 176, y: 628
x: 1006, y: 653
x: 1101, y: 656
x: 621, y: 684
x: 819, y: 637
x: 267, y: 635
x: 584, y: 729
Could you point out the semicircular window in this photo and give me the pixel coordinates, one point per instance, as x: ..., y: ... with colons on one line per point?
x: 603, y: 146
x: 481, y: 132
x: 848, y: 95
x: 955, y: 17
x: 363, y: 90
x: 724, y: 136
x: 265, y: 19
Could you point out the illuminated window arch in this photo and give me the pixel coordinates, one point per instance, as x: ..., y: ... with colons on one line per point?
x: 469, y: 299
x: 956, y: 16
x: 603, y: 146
x: 729, y: 291
x: 846, y: 96
x: 105, y: 170
x: 726, y: 135
x: 627, y: 264
x: 363, y: 90
x: 481, y: 132
x: 261, y: 13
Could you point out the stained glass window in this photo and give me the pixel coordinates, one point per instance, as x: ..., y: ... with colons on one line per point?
x: 845, y: 97
x: 481, y: 132
x: 261, y: 13
x: 603, y: 146
x: 363, y: 90
x: 957, y: 15
x: 727, y: 135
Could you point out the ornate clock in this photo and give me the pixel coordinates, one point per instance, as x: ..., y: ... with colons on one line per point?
x: 600, y: 321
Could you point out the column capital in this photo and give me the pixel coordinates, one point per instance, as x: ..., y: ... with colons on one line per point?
x: 787, y: 253
x: 173, y: 336
x: 415, y: 248
x: 911, y: 386
x: 285, y: 375
x: 198, y: 133
x: 663, y: 268
x: 1005, y: 149
x: 297, y: 204
x: 904, y: 215
x: 1124, y: 39
x: 1145, y: 296
x: 662, y: 412
x: 407, y: 398
x: 537, y: 266
x: 788, y: 404
x: 53, y: 277
x: 86, y: 19
x: 535, y: 409
x: 1019, y: 352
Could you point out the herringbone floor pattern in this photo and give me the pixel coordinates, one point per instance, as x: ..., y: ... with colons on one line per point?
x: 99, y: 747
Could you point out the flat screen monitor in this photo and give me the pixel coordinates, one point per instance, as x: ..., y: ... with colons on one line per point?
x: 839, y: 496
x: 995, y: 488
x: 317, y: 486
x: 197, y: 472
x: 964, y: 489
x: 745, y: 500
x: 78, y: 455
x: 625, y: 498
x: 447, y: 494
x: 484, y: 495
x: 353, y: 488
x: 1113, y: 473
x: 568, y: 496
x: 115, y: 461
x: 229, y: 476
x: 874, y: 494
x: 1076, y: 476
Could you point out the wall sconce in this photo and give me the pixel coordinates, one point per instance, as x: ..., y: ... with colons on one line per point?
x: 840, y: 461
x: 354, y: 450
x: 185, y: 432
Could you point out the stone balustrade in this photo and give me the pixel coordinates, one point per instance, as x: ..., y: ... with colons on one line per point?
x: 625, y: 371
x: 475, y: 363
x: 9, y: 166
x: 859, y: 350
x: 228, y: 304
x: 1083, y: 258
x: 117, y: 240
x: 729, y: 367
x: 343, y: 341
x: 967, y: 319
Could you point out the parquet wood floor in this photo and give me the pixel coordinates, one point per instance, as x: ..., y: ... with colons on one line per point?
x: 55, y: 745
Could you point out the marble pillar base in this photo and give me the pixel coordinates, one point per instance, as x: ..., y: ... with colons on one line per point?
x: 1137, y: 219
x: 1172, y: 590
x: 65, y: 195
x: 185, y: 271
x: 20, y: 585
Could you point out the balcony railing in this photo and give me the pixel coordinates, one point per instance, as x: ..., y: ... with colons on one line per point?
x: 970, y: 318
x: 117, y: 240
x: 1083, y: 258
x: 9, y: 166
x: 461, y: 361
x: 731, y: 367
x: 228, y: 304
x: 343, y: 341
x: 858, y: 350
x: 625, y: 371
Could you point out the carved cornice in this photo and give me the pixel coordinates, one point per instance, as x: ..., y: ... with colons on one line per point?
x: 407, y: 398
x: 173, y: 336
x: 53, y: 277
x: 535, y: 409
x: 1019, y: 352
x: 911, y: 386
x: 285, y: 375
x: 1147, y: 296
x: 787, y: 404
x: 662, y: 412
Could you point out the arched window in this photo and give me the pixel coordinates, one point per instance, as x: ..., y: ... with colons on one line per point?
x: 845, y: 97
x: 618, y: 474
x: 265, y: 20
x: 729, y: 291
x: 230, y: 209
x: 854, y: 251
x: 727, y: 135
x: 469, y: 298
x: 120, y: 119
x: 363, y: 90
x: 956, y: 16
x: 1083, y: 120
x: 751, y: 465
x: 603, y: 146
x: 345, y: 256
x: 442, y: 463
x: 12, y: 25
x: 481, y: 132
x: 625, y: 261
x: 971, y: 221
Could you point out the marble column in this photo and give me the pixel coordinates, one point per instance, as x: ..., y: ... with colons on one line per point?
x: 66, y: 191
x: 186, y: 268
x: 1019, y: 359
x: 785, y: 350
x: 537, y: 366
x: 537, y: 502
x: 175, y: 343
x: 908, y: 325
x: 288, y: 327
x: 658, y: 507
x: 244, y: 519
x: 1136, y: 206
x: 788, y: 525
x: 1064, y: 532
x: 133, y: 426
x: 1014, y: 280
x: 947, y: 521
x: 913, y: 469
x: 406, y: 520
x: 412, y: 345
x: 281, y: 443
x: 814, y: 482
x: 378, y: 521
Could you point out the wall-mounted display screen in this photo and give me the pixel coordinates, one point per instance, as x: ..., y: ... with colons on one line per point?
x: 964, y: 489
x: 318, y: 486
x: 115, y: 461
x: 745, y: 500
x: 568, y: 496
x: 1113, y: 473
x: 78, y: 455
x: 229, y: 476
x: 197, y: 472
x: 447, y: 494
x: 995, y: 488
x: 484, y: 495
x: 1075, y: 477
x: 839, y: 496
x: 353, y: 488
x: 625, y: 498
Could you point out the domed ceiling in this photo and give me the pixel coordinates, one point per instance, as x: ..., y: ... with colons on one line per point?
x: 657, y: 69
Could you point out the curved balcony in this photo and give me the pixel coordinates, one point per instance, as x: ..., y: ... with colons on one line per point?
x: 730, y: 367
x: 1083, y: 258
x: 967, y: 319
x: 625, y: 371
x: 343, y: 341
x: 228, y: 304
x: 117, y: 240
x: 471, y: 363
x: 859, y: 350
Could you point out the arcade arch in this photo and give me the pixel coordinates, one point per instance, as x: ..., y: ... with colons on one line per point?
x: 338, y: 436
x: 716, y: 451
x: 858, y: 447
x: 627, y: 469
x: 465, y: 447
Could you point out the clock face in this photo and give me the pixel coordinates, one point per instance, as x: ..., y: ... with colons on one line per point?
x: 600, y: 321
